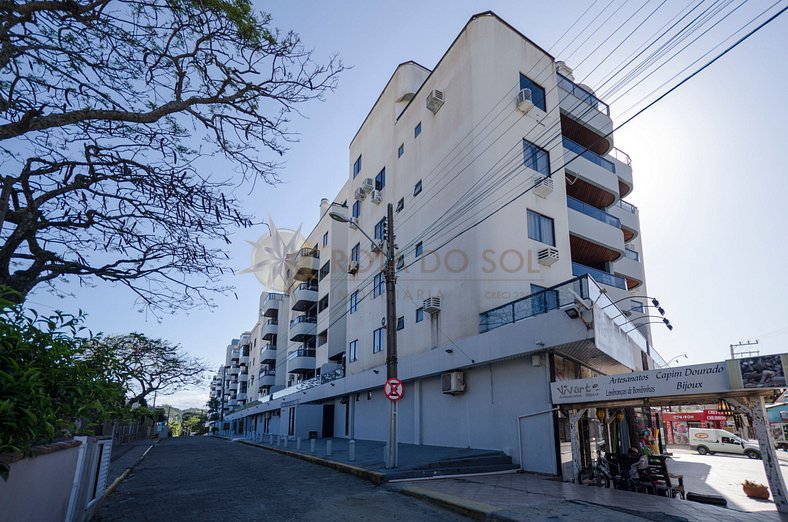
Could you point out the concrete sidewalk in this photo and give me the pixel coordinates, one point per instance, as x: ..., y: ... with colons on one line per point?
x: 503, y: 495
x: 126, y: 456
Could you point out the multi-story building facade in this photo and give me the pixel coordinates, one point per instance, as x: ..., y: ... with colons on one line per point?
x: 518, y: 262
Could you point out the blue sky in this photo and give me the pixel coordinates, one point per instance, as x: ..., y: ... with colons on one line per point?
x: 708, y: 168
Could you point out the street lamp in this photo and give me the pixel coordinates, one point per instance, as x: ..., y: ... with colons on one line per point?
x: 674, y: 358
x: 391, y: 314
x: 654, y: 301
x: 664, y: 320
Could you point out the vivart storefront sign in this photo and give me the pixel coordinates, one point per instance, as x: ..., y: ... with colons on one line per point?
x: 696, y: 379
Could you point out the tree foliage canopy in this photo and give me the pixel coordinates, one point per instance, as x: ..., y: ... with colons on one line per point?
x: 109, y: 113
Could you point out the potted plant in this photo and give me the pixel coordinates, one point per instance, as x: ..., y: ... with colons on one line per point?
x: 755, y: 490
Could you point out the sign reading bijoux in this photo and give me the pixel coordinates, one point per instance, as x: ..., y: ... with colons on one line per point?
x: 665, y: 382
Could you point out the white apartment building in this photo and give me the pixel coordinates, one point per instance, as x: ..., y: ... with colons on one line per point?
x: 508, y: 196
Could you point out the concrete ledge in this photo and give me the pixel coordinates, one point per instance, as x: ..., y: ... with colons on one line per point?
x: 463, y: 506
x: 373, y: 476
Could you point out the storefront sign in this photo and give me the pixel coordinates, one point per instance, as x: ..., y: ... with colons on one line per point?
x: 666, y: 382
x: 692, y: 416
x: 714, y: 415
x: 764, y: 371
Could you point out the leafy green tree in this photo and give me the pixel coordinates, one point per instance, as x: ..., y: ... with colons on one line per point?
x: 109, y: 115
x: 194, y: 423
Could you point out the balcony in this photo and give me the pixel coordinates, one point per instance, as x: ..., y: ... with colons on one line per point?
x: 600, y: 276
x: 595, y: 237
x: 267, y: 378
x: 303, y: 328
x: 590, y: 155
x: 623, y: 165
x: 268, y: 354
x: 306, y: 264
x: 270, y: 329
x: 631, y: 268
x: 301, y: 361
x: 270, y: 306
x: 235, y: 370
x: 591, y: 211
x: 304, y: 297
x: 627, y: 214
x: 584, y: 116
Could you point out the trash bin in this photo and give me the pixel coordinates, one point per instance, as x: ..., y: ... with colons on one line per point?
x: 312, y: 434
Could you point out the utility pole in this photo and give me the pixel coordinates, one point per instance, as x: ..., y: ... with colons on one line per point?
x: 744, y: 353
x: 391, y: 329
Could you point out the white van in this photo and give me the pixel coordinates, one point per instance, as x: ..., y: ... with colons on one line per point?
x: 721, y: 441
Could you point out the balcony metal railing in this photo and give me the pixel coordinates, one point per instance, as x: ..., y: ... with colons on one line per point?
x: 629, y: 207
x: 593, y: 157
x: 303, y: 319
x: 272, y: 322
x: 301, y: 352
x: 582, y: 94
x: 600, y: 276
x: 631, y: 254
x: 537, y: 303
x: 307, y: 286
x: 272, y: 297
x: 309, y: 252
x: 268, y: 346
x: 264, y: 372
x: 592, y: 211
x: 620, y: 155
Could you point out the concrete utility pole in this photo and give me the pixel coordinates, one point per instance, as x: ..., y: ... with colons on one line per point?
x: 744, y: 353
x: 391, y: 330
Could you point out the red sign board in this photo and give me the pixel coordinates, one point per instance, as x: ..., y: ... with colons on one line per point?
x: 393, y: 389
x: 714, y: 415
x: 696, y: 416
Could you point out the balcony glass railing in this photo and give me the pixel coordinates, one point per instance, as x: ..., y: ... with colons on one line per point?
x: 593, y: 157
x: 600, y: 276
x: 629, y: 207
x: 631, y: 254
x: 307, y: 286
x: 592, y: 211
x: 270, y: 298
x: 268, y: 346
x: 272, y: 322
x: 263, y: 373
x: 303, y: 319
x: 582, y: 94
x: 301, y: 352
x: 537, y: 303
x: 309, y: 252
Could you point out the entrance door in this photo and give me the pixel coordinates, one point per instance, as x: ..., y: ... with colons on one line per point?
x: 291, y: 421
x: 328, y: 420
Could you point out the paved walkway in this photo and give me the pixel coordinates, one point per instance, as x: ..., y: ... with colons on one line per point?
x: 126, y: 456
x: 507, y: 496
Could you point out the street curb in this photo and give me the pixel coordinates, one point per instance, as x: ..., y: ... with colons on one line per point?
x: 471, y: 508
x: 115, y: 483
x: 373, y: 476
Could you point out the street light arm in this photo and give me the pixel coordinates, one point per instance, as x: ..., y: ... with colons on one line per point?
x: 654, y: 301
x: 636, y: 326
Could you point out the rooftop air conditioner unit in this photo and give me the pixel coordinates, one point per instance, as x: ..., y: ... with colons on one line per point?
x: 368, y: 185
x: 435, y: 100
x: 360, y: 194
x: 547, y: 256
x: 525, y: 101
x: 376, y: 197
x: 453, y: 382
x: 432, y: 305
x: 352, y: 267
x: 543, y: 186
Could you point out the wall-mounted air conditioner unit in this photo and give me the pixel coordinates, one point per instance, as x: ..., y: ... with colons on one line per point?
x: 360, y: 194
x: 352, y: 267
x: 525, y: 101
x: 543, y: 186
x: 368, y: 185
x: 432, y: 305
x: 453, y: 382
x: 435, y: 100
x: 376, y: 197
x: 547, y: 256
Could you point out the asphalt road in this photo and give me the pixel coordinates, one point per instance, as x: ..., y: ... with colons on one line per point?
x: 205, y: 478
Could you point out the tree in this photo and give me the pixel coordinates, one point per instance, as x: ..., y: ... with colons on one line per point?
x: 102, y: 109
x: 144, y: 366
x: 193, y: 423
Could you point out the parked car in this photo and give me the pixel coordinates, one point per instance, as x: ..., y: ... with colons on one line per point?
x: 710, y: 441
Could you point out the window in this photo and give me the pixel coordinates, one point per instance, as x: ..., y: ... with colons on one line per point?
x: 352, y: 351
x: 417, y: 130
x: 354, y: 302
x: 325, y: 239
x: 419, y: 315
x: 379, y: 340
x: 540, y: 228
x: 380, y: 229
x: 356, y: 209
x: 400, y: 262
x: 378, y: 285
x: 537, y: 91
x: 355, y: 252
x: 322, y: 304
x: 357, y: 166
x: 380, y: 179
x: 637, y: 306
x: 419, y: 249
x: 536, y: 158
x: 324, y: 270
x: 400, y: 204
x: 417, y: 188
x: 400, y: 322
x: 401, y: 150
